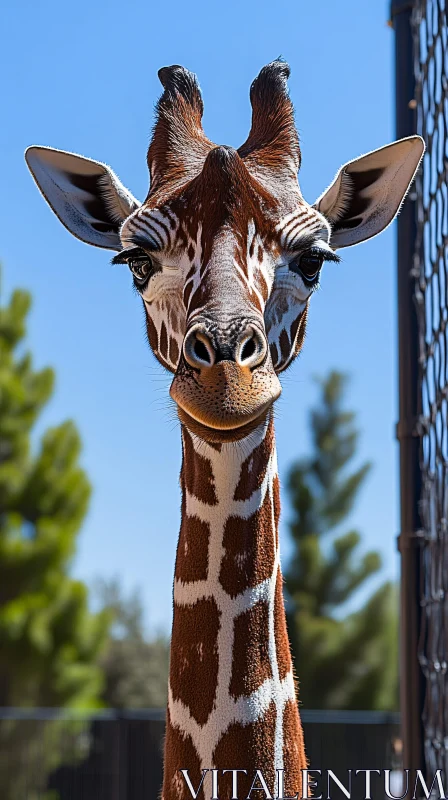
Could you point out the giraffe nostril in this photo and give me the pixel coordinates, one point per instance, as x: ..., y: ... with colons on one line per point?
x: 201, y: 351
x: 198, y: 349
x: 252, y: 348
x: 248, y: 349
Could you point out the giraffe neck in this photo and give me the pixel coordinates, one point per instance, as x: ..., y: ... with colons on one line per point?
x: 231, y: 695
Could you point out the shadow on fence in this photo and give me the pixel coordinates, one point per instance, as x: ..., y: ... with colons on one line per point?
x: 118, y: 755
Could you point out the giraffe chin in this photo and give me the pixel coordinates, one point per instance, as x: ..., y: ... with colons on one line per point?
x: 225, y: 402
x: 221, y: 435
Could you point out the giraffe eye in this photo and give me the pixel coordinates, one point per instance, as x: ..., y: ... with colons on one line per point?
x: 138, y: 261
x: 308, y: 265
x: 141, y: 267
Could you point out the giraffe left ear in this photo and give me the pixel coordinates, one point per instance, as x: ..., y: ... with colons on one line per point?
x: 85, y: 195
x: 367, y: 193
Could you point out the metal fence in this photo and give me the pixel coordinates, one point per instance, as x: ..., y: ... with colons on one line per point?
x: 430, y: 270
x: 47, y: 754
x: 421, y: 31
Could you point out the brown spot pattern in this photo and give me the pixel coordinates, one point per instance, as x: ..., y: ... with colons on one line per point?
x: 152, y: 333
x: 253, y: 469
x: 251, y: 664
x: 180, y: 753
x: 262, y: 286
x: 192, y: 550
x: 248, y: 747
x: 174, y: 351
x: 249, y: 550
x: 255, y: 300
x: 163, y: 341
x: 198, y: 297
x: 174, y: 322
x: 284, y: 345
x: 154, y: 341
x: 187, y: 292
x: 294, y: 758
x: 194, y: 657
x: 276, y: 497
x: 198, y: 473
x: 294, y: 328
x: 302, y: 331
x: 281, y: 631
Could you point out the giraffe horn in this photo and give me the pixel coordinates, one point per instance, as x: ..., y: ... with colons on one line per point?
x: 178, y: 146
x: 180, y: 82
x: 273, y: 143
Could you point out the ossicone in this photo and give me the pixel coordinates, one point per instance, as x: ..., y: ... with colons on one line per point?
x: 272, y: 80
x: 272, y: 151
x: 178, y: 81
x: 178, y: 146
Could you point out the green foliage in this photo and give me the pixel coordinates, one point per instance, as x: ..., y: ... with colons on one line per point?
x: 348, y: 663
x: 135, y: 666
x: 49, y: 641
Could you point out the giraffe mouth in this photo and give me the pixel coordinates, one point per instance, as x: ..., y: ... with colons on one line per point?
x: 221, y: 435
x: 227, y: 402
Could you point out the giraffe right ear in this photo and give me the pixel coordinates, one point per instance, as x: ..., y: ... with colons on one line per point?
x: 367, y: 193
x: 86, y: 195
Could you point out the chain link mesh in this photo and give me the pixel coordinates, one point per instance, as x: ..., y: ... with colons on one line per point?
x: 430, y: 270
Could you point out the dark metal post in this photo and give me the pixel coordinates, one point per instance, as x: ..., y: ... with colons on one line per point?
x: 123, y: 726
x: 411, y: 677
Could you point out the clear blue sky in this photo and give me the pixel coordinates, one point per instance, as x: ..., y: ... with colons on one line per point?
x: 83, y: 77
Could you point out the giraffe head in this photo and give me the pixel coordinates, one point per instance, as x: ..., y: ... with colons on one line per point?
x: 225, y: 251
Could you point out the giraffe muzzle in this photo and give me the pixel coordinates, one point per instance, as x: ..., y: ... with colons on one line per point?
x: 224, y: 383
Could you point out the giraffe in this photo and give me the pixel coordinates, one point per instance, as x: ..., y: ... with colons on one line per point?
x: 226, y: 253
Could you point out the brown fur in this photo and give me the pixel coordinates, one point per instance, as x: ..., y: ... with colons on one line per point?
x: 192, y: 549
x: 251, y: 664
x: 197, y: 473
x: 249, y: 550
x: 294, y: 758
x: 252, y: 476
x: 281, y: 633
x: 179, y: 145
x: 179, y: 754
x: 194, y: 657
x: 272, y: 145
x: 242, y: 748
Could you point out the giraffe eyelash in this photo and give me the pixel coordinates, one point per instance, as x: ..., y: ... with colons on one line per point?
x: 310, y: 272
x: 128, y: 253
x: 327, y: 255
x: 315, y: 250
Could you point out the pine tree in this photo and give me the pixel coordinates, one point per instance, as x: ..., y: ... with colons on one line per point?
x: 49, y: 641
x: 135, y: 665
x: 349, y: 662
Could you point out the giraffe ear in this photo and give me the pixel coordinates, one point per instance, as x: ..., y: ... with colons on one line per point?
x: 367, y: 193
x: 86, y: 195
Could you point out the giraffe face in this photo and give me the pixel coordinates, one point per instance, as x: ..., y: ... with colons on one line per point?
x: 197, y: 258
x: 230, y: 253
x: 225, y: 277
x: 225, y: 251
